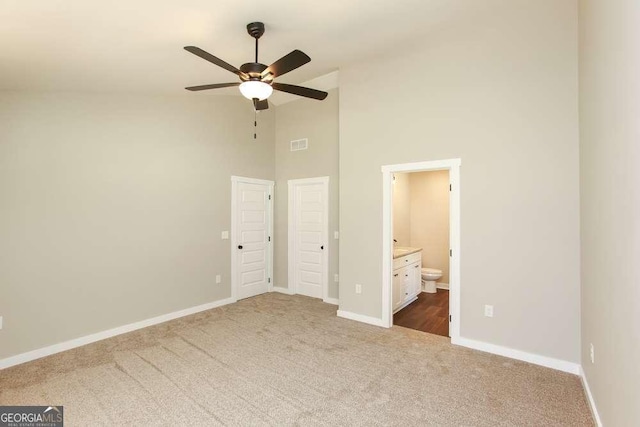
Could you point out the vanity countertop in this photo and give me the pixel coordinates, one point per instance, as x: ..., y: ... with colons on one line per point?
x: 401, y: 251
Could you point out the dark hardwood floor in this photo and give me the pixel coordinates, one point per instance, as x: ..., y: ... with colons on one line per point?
x: 429, y: 313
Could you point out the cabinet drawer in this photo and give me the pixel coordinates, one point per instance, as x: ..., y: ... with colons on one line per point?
x: 407, y: 260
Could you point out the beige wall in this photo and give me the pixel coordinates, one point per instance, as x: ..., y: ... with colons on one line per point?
x: 317, y: 121
x: 402, y: 209
x: 497, y: 88
x: 112, y: 207
x: 610, y: 205
x: 430, y: 219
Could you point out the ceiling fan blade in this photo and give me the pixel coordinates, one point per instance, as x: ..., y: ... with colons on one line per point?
x: 213, y: 86
x: 260, y: 105
x: 214, y: 60
x: 299, y: 90
x: 287, y: 63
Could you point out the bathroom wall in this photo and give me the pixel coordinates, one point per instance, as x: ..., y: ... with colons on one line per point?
x: 402, y: 209
x: 429, y: 218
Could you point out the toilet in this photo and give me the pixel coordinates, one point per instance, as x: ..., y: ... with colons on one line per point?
x: 429, y: 278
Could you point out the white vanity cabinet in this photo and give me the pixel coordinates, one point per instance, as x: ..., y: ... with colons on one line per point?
x: 406, y: 279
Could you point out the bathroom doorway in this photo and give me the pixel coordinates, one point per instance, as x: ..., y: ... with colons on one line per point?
x: 421, y: 251
x: 421, y: 223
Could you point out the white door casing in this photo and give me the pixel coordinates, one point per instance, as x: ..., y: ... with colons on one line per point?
x: 308, y: 256
x: 453, y: 166
x: 251, y: 241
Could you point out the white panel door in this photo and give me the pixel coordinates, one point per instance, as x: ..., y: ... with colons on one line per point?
x: 309, y: 216
x: 252, y: 239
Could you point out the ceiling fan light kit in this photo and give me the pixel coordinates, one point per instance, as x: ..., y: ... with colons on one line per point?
x: 256, y: 79
x: 255, y: 89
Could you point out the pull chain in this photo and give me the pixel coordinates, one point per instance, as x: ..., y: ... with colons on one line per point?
x: 255, y: 118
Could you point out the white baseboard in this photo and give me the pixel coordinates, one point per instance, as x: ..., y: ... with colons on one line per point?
x: 286, y: 291
x: 361, y: 318
x: 333, y: 301
x: 439, y: 285
x: 549, y: 362
x: 592, y: 403
x: 88, y: 339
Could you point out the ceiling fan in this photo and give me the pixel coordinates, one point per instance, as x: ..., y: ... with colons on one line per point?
x: 256, y: 79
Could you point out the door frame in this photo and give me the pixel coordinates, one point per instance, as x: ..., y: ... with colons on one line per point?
x: 292, y: 184
x: 234, y: 211
x: 453, y: 166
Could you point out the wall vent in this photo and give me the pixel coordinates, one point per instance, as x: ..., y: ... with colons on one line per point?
x: 299, y: 144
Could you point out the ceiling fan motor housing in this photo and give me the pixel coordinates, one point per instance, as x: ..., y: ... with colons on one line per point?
x: 253, y: 70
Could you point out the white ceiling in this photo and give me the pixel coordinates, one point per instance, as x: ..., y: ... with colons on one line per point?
x: 137, y: 45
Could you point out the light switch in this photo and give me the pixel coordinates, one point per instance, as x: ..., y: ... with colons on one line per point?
x: 336, y: 235
x: 218, y: 278
x: 225, y: 235
x: 488, y: 310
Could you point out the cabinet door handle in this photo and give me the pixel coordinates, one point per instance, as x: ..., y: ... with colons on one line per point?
x: 395, y: 275
x: 415, y: 266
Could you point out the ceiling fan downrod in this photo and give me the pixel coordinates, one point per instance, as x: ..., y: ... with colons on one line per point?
x: 256, y: 30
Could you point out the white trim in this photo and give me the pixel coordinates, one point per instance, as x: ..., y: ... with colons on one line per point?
x: 453, y: 166
x: 536, y: 359
x: 292, y: 184
x: 432, y: 165
x: 246, y: 180
x: 333, y: 301
x: 99, y: 336
x: 281, y: 290
x: 234, y: 212
x: 440, y: 285
x: 592, y: 403
x: 361, y: 318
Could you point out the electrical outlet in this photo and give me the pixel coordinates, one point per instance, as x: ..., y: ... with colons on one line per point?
x: 358, y: 288
x: 0, y: 322
x: 224, y: 235
x: 592, y: 353
x: 488, y: 311
x: 336, y: 235
x: 218, y: 278
x: 336, y: 278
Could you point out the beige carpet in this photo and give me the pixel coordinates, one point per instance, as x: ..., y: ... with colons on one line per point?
x: 288, y: 360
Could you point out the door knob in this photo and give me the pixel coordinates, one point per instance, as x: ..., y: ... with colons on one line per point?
x: 322, y: 247
x: 239, y: 246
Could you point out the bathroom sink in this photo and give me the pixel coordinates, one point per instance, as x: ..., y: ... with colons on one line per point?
x: 401, y: 251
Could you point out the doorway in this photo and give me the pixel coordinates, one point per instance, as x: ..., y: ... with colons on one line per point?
x: 389, y: 299
x: 251, y: 242
x: 308, y: 230
x: 421, y: 251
